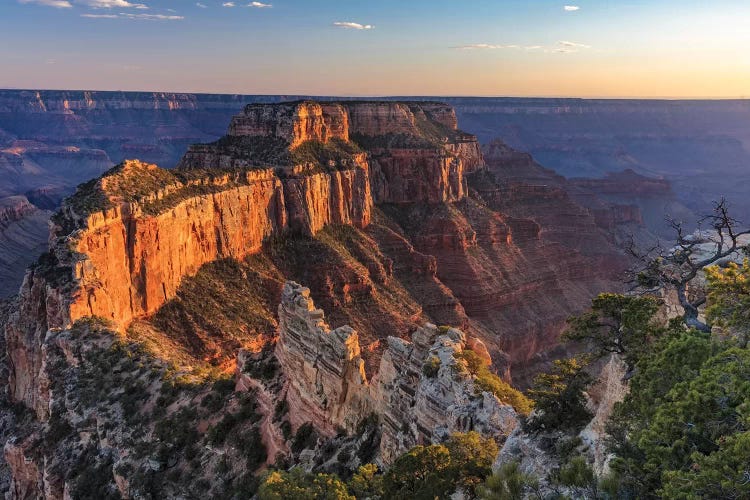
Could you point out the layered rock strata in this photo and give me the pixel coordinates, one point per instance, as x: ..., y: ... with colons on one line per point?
x: 327, y: 385
x: 327, y: 382
x: 122, y: 245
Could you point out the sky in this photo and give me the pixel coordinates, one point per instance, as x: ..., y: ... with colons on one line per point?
x: 584, y: 48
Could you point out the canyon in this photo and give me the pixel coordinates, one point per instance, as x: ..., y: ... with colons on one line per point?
x: 392, y: 218
x: 307, y: 282
x: 50, y: 141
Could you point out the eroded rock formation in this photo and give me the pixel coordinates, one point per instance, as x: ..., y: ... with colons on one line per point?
x: 122, y: 245
x: 327, y: 382
x: 327, y: 385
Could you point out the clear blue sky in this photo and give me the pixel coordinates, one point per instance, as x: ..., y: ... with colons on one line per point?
x: 648, y: 48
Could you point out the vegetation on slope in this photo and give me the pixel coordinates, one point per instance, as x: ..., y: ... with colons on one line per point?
x: 486, y: 381
x: 682, y: 429
x: 424, y: 472
x: 147, y: 422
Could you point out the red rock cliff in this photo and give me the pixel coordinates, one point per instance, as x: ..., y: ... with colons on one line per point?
x: 124, y: 242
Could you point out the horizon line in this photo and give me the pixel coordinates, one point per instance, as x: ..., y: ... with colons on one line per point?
x: 396, y: 96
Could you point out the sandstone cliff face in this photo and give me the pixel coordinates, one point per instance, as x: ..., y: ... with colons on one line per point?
x: 327, y: 385
x: 294, y: 122
x: 128, y: 260
x: 133, y: 259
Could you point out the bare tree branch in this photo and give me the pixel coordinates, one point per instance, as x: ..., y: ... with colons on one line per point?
x: 674, y: 268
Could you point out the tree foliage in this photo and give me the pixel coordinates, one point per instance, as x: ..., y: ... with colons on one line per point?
x: 366, y: 482
x: 508, y: 483
x: 298, y: 485
x: 559, y: 397
x: 676, y: 430
x: 729, y: 298
x: 676, y: 267
x: 436, y: 471
x: 617, y: 324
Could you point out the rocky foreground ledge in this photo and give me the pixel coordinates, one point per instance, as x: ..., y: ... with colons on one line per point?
x: 420, y: 394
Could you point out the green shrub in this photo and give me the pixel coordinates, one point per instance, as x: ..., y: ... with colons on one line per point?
x: 431, y: 367
x: 559, y: 397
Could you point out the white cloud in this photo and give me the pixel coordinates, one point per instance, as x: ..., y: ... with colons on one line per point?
x: 228, y: 4
x: 573, y: 45
x: 112, y: 4
x: 59, y: 4
x: 197, y: 4
x: 562, y: 47
x: 353, y: 26
x: 571, y: 8
x: 151, y: 17
x: 143, y: 17
x: 259, y: 5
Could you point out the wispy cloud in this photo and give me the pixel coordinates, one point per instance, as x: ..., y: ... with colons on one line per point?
x: 228, y: 4
x: 152, y: 17
x: 571, y: 8
x: 353, y: 26
x: 142, y: 17
x: 113, y: 4
x: 59, y: 4
x: 260, y: 5
x: 573, y: 45
x: 201, y: 5
x: 490, y: 46
x: 562, y: 47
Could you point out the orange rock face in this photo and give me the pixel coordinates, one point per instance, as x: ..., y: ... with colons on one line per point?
x: 134, y: 261
x: 294, y: 122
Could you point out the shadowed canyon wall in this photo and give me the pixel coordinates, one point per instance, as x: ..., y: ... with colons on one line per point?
x: 52, y: 140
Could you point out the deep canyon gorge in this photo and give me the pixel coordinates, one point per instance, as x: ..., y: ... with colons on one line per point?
x: 321, y: 265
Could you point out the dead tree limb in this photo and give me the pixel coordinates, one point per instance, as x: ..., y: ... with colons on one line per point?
x: 660, y: 268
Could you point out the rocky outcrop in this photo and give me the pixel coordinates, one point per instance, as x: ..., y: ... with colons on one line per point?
x: 122, y: 245
x: 611, y: 388
x: 127, y: 260
x: 417, y: 153
x: 421, y: 407
x: 294, y: 123
x: 327, y: 385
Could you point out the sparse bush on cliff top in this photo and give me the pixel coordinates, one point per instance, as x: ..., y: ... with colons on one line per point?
x: 431, y: 367
x: 486, y: 381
